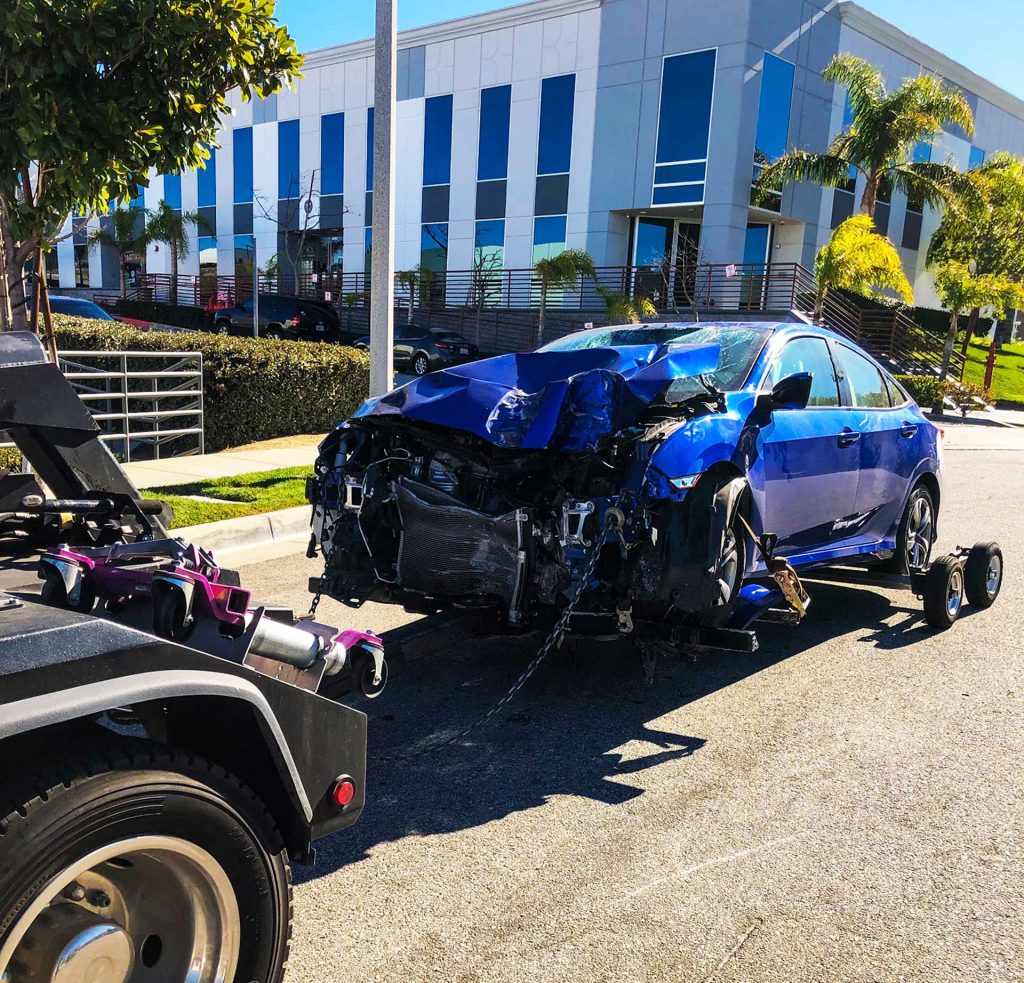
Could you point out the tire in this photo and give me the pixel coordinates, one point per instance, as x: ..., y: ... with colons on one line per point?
x: 943, y: 592
x: 983, y: 574
x: 171, y: 619
x: 173, y: 842
x: 730, y: 569
x: 920, y: 504
x: 273, y: 333
x: 420, y: 364
x: 223, y: 327
x: 55, y: 594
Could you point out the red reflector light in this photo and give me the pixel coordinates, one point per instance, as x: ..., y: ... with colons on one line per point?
x: 344, y: 792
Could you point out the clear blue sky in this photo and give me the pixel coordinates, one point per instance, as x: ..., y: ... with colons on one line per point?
x: 985, y: 35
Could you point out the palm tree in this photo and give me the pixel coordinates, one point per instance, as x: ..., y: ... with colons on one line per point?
x: 127, y: 235
x: 880, y: 141
x: 623, y: 309
x: 171, y: 227
x: 859, y: 259
x: 559, y: 271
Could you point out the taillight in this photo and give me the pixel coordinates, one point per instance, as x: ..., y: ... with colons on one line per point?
x: 294, y: 321
x: 343, y: 791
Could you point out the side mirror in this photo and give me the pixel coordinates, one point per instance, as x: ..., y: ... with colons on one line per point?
x: 791, y: 393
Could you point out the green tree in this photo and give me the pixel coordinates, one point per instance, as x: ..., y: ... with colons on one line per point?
x: 990, y: 232
x: 559, y: 271
x: 93, y: 94
x: 857, y: 258
x: 962, y: 289
x: 623, y: 309
x: 126, y: 235
x: 880, y: 141
x: 171, y: 227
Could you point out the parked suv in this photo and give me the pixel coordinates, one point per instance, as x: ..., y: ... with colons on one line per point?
x: 291, y: 318
x: 421, y: 349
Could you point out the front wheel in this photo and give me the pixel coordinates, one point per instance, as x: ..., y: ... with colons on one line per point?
x: 141, y: 863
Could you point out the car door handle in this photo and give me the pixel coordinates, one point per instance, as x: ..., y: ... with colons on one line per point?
x: 908, y: 429
x: 847, y: 437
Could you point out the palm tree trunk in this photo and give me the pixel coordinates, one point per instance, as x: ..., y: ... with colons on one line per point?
x: 174, y: 273
x: 123, y: 268
x: 869, y: 201
x: 819, y: 303
x: 972, y: 326
x: 947, y: 352
x: 540, y: 316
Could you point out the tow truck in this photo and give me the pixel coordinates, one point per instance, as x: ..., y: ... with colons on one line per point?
x: 153, y: 790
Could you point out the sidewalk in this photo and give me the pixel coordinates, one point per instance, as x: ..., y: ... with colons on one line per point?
x: 181, y: 470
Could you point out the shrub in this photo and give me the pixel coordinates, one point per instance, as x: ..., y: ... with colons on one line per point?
x: 964, y: 395
x: 146, y: 310
x: 254, y: 389
x: 924, y: 388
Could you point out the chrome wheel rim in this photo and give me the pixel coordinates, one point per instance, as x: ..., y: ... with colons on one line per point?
x: 223, y: 329
x: 955, y: 593
x: 420, y: 366
x: 147, y: 908
x: 919, y: 533
x: 993, y: 575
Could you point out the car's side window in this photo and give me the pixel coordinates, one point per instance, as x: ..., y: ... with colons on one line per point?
x: 808, y: 355
x: 897, y: 397
x: 867, y: 387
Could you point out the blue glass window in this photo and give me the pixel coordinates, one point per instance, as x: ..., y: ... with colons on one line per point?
x: 437, y: 141
x: 243, y: 165
x: 773, y: 114
x: 367, y: 249
x: 653, y: 241
x: 172, y: 190
x: 207, y: 178
x: 977, y: 158
x: 548, y: 236
x: 922, y: 153
x: 684, y: 124
x: 434, y: 247
x: 495, y: 114
x: 684, y: 128
x: 288, y: 178
x: 369, y: 149
x: 207, y: 252
x: 139, y: 201
x: 557, y: 103
x: 332, y: 154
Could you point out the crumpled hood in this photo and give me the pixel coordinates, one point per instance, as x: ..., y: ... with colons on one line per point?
x: 558, y: 400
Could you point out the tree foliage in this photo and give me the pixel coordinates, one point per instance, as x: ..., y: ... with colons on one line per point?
x: 560, y: 271
x: 125, y: 232
x: 879, y: 142
x: 857, y: 258
x: 93, y: 95
x: 623, y: 309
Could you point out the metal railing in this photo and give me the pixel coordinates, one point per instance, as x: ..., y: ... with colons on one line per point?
x: 147, y: 404
x: 496, y: 308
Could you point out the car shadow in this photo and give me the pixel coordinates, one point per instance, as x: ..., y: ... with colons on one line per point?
x: 583, y: 725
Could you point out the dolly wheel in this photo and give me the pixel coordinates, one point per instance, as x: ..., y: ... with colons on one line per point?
x: 171, y: 617
x: 55, y: 594
x: 943, y: 592
x: 983, y: 574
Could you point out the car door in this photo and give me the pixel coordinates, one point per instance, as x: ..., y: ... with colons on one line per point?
x: 241, y: 319
x: 804, y: 480
x: 405, y: 342
x: 891, y: 442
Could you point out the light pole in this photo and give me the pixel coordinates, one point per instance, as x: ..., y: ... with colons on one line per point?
x: 382, y: 264
x: 255, y: 292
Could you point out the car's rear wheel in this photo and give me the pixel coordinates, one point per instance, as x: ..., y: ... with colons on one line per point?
x: 141, y: 863
x: 915, y: 534
x: 420, y: 364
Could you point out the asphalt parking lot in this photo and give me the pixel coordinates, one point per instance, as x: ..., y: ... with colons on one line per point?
x: 845, y: 804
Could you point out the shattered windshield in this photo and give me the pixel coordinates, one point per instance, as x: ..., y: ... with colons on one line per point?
x: 741, y: 344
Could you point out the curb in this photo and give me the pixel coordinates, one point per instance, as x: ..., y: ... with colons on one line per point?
x: 248, y: 530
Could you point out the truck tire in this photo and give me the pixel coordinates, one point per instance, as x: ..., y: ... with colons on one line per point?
x: 141, y: 856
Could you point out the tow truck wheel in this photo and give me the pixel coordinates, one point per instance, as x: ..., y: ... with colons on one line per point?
x: 55, y: 594
x: 983, y: 574
x: 142, y: 862
x: 943, y: 592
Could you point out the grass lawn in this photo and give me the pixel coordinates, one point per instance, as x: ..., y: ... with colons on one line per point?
x: 243, y: 494
x: 1008, y: 377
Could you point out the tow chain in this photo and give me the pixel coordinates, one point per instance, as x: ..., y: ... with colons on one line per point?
x: 550, y: 643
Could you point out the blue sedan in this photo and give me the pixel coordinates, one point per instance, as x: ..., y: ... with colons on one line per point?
x: 647, y: 471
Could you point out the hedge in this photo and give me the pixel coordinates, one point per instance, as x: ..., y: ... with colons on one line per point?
x: 924, y: 388
x: 146, y: 310
x: 254, y: 388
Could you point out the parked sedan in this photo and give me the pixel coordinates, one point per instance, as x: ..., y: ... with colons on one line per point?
x: 280, y: 317
x: 422, y: 350
x: 78, y: 307
x: 496, y: 483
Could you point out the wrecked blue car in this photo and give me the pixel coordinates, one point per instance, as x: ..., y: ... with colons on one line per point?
x: 649, y: 460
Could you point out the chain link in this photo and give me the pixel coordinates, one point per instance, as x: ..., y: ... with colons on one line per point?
x: 550, y: 643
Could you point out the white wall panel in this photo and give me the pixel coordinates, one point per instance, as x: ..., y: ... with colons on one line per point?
x: 496, y: 49
x: 467, y: 62
x: 439, y: 73
x: 526, y: 59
